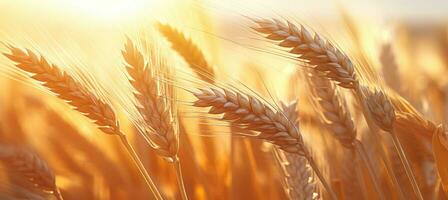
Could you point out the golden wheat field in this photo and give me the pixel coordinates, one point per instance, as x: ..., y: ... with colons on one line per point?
x: 208, y: 99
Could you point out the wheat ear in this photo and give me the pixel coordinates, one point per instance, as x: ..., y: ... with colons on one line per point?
x: 189, y: 51
x: 339, y: 121
x: 334, y: 111
x: 317, y: 52
x: 324, y: 57
x: 321, y: 54
x: 75, y: 94
x: 383, y: 114
x: 195, y: 59
x: 298, y: 181
x: 32, y: 167
x: 251, y: 115
x: 66, y: 88
x: 299, y: 178
x: 154, y: 107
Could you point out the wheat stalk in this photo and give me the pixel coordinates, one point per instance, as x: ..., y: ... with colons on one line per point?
x: 152, y: 95
x: 66, y: 88
x: 383, y: 114
x: 257, y: 119
x: 324, y: 57
x: 334, y: 111
x: 75, y: 94
x: 339, y: 121
x: 28, y: 164
x: 196, y: 60
x: 320, y: 54
x: 153, y: 107
x: 250, y: 114
x: 189, y: 51
x: 317, y: 52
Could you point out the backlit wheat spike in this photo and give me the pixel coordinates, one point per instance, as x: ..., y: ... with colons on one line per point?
x: 66, y: 88
x: 250, y: 114
x: 153, y: 107
x: 381, y: 108
x: 152, y: 94
x: 334, y: 111
x: 336, y: 115
x: 336, y: 66
x: 298, y: 175
x: 196, y: 60
x: 31, y: 166
x: 383, y: 113
x: 189, y: 51
x: 75, y: 94
x: 299, y: 181
x: 317, y: 52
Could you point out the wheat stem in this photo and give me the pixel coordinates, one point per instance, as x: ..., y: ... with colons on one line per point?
x: 374, y: 129
x: 383, y: 114
x: 337, y: 117
x: 253, y: 115
x: 180, y: 180
x: 436, y: 190
x: 321, y: 178
x: 359, y: 147
x: 140, y: 166
x: 406, y: 165
x: 360, y: 176
x: 390, y: 171
x: 335, y: 65
x: 77, y: 95
x: 57, y: 194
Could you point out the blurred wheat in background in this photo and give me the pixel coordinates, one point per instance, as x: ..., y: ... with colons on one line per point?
x: 206, y: 99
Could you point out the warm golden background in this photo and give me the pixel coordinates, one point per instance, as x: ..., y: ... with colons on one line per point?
x: 405, y: 41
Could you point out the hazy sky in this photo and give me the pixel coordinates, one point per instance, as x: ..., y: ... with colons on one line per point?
x: 405, y: 8
x: 411, y: 9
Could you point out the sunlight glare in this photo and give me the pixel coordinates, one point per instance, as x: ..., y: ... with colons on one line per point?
x: 115, y: 9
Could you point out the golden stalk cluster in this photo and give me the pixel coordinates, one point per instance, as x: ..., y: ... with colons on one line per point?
x: 339, y: 151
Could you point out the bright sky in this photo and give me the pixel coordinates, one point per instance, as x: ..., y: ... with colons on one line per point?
x: 411, y: 9
x: 120, y: 8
